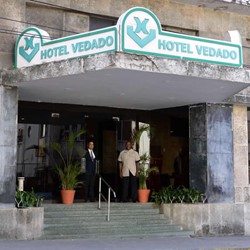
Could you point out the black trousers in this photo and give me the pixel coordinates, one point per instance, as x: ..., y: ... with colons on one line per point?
x: 89, y: 186
x: 129, y: 181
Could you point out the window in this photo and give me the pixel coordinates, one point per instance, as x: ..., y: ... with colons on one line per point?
x: 100, y: 23
x: 189, y: 32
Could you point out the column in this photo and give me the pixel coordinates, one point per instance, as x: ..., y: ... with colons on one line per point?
x: 198, y: 147
x: 240, y: 135
x: 211, y: 151
x: 8, y: 144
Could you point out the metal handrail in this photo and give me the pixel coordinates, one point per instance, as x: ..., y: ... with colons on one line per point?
x: 101, y: 195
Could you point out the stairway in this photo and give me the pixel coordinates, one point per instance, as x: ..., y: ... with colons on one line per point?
x: 84, y: 220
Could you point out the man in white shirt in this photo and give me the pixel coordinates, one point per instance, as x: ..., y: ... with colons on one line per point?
x: 129, y: 167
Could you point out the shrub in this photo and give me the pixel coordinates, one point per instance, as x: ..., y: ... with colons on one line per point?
x: 177, y: 195
x: 27, y: 199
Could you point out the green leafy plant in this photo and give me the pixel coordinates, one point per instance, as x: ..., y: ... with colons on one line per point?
x: 195, y: 195
x: 145, y: 171
x: 68, y: 176
x: 164, y: 195
x: 27, y: 199
x: 177, y: 195
x: 68, y: 169
x: 144, y: 176
x: 137, y: 133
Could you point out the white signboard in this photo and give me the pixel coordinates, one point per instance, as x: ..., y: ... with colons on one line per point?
x: 139, y: 32
x: 35, y: 47
x: 243, y: 2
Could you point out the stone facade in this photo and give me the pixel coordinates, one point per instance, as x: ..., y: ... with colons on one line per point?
x: 8, y: 143
x: 240, y: 141
x: 63, y: 18
x: 21, y: 224
x: 210, y: 219
x: 67, y: 17
x: 211, y: 151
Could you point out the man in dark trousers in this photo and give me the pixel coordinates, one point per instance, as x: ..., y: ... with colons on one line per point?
x: 90, y: 173
x: 128, y: 168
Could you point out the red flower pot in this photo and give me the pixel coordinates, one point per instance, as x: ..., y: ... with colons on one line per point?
x: 67, y: 196
x: 143, y: 195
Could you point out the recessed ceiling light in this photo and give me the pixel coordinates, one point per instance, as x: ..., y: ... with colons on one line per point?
x: 55, y: 115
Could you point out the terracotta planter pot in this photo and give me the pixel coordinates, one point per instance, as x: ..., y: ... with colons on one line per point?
x: 67, y: 196
x: 143, y: 195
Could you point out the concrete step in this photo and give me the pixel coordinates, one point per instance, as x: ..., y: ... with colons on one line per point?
x: 91, y: 204
x: 104, y: 210
x: 101, y: 219
x: 112, y: 229
x: 126, y: 220
x: 119, y: 236
x: 94, y: 205
x: 102, y: 213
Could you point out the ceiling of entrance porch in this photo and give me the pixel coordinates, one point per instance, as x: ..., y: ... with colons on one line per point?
x: 124, y: 88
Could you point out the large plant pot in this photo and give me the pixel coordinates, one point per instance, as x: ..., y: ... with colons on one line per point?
x: 143, y: 195
x: 67, y: 196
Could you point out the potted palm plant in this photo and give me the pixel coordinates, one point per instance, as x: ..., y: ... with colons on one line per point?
x: 144, y: 174
x: 68, y: 169
x: 144, y: 166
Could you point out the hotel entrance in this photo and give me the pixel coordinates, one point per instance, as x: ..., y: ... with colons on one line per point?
x: 139, y: 83
x: 109, y: 128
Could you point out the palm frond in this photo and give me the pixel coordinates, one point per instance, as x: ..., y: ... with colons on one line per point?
x: 144, y: 175
x: 136, y: 133
x: 69, y: 170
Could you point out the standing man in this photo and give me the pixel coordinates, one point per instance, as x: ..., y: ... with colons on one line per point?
x: 90, y: 173
x: 129, y: 167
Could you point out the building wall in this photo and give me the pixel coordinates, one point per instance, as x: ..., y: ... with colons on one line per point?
x: 8, y: 144
x: 240, y: 141
x: 212, y: 150
x: 210, y: 219
x: 21, y: 224
x: 67, y: 17
x: 9, y: 30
